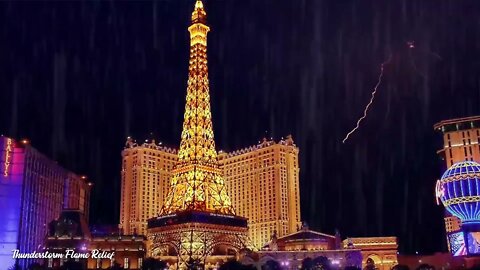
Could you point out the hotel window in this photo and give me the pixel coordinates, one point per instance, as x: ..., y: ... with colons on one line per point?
x: 99, y: 261
x: 140, y: 262
x: 125, y: 263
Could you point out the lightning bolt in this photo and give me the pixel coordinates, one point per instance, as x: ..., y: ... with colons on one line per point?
x: 371, y: 100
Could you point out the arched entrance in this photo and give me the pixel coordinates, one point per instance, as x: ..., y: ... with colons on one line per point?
x: 373, y: 262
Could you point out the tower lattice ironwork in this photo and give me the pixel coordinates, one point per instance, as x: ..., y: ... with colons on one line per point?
x: 197, y: 182
x: 197, y: 219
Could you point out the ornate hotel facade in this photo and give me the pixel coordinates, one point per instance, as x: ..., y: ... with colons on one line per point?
x: 262, y: 181
x: 146, y: 173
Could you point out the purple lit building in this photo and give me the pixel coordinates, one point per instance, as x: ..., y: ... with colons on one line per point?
x: 33, y: 192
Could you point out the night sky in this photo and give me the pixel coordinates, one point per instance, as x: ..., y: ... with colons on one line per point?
x: 78, y: 77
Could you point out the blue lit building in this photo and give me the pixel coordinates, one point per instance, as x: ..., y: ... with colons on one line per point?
x: 33, y: 192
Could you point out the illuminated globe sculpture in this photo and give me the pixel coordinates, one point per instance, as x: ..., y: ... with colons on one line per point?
x: 459, y: 191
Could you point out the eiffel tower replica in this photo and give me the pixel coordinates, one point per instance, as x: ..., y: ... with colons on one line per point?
x: 197, y: 220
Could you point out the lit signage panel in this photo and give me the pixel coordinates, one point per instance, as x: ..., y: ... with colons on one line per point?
x: 473, y: 239
x: 457, y: 244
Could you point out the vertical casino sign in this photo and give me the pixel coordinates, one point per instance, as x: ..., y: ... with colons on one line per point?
x: 8, y: 157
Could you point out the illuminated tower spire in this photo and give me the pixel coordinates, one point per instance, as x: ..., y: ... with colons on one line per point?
x: 197, y: 182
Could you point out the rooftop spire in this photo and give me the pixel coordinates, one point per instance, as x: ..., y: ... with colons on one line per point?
x: 199, y: 15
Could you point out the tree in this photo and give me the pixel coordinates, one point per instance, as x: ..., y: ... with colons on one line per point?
x: 322, y: 263
x: 271, y: 265
x: 249, y: 267
x: 153, y: 264
x: 400, y: 267
x: 307, y: 264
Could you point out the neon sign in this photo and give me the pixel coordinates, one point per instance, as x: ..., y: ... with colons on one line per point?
x: 439, y: 191
x: 8, y: 157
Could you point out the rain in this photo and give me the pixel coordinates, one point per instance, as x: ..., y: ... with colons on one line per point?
x: 78, y: 77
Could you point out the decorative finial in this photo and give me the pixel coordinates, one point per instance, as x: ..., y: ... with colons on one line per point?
x: 199, y: 4
x: 199, y: 15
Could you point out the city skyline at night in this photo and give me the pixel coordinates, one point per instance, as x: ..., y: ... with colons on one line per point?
x: 79, y: 78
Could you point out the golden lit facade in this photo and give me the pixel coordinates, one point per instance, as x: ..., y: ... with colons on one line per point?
x: 146, y: 173
x: 461, y: 142
x: 197, y: 220
x: 263, y: 181
x: 267, y: 174
x: 295, y: 249
x: 381, y: 250
x: 452, y: 224
x: 129, y: 251
x: 77, y: 194
x: 461, y: 139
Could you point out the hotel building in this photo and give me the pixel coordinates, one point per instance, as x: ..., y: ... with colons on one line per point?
x: 262, y: 181
x: 461, y: 142
x: 145, y: 182
x: 461, y: 139
x: 33, y: 191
